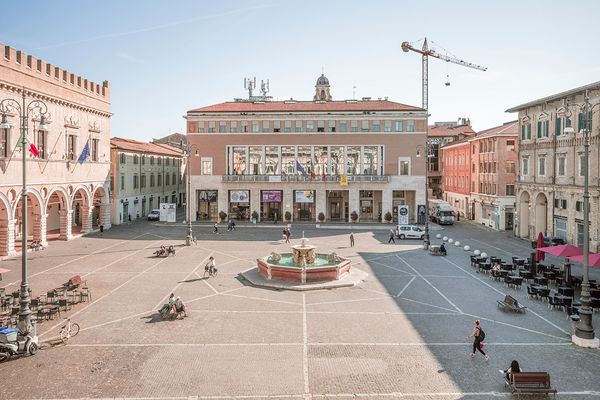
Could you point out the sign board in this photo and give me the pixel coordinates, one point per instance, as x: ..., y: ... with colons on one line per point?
x: 305, y: 196
x: 421, y: 213
x: 208, y: 196
x: 271, y: 196
x: 344, y: 180
x: 239, y: 196
x: 274, y: 178
x: 403, y: 214
x: 168, y: 212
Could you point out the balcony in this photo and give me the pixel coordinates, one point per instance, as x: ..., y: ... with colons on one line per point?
x: 301, y: 178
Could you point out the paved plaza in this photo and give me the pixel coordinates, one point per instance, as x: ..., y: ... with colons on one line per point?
x: 401, y: 333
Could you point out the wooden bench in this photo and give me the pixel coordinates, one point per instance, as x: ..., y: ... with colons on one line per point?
x: 531, y: 383
x: 511, y: 303
x: 435, y: 251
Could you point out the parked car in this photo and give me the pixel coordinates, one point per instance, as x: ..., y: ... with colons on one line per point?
x: 548, y: 241
x: 154, y: 215
x: 409, y: 232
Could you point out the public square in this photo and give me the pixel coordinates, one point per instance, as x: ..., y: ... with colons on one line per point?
x: 400, y: 333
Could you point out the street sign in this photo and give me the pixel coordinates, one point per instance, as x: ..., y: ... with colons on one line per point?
x: 168, y: 212
x: 403, y: 215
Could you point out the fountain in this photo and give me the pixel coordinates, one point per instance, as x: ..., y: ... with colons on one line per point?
x: 303, y: 265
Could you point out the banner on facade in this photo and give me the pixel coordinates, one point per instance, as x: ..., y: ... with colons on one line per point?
x: 168, y: 212
x: 208, y: 196
x: 271, y: 196
x: 239, y: 196
x: 343, y: 180
x: 403, y: 214
x: 305, y: 196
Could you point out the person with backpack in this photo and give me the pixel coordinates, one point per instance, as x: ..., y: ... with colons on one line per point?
x: 514, y: 368
x: 478, y: 336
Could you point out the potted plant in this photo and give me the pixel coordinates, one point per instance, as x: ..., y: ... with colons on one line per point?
x: 388, y: 217
x: 321, y: 217
x: 254, y: 216
x: 354, y: 216
x: 288, y: 216
x: 222, y: 215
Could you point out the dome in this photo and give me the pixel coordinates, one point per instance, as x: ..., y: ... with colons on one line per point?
x: 322, y: 80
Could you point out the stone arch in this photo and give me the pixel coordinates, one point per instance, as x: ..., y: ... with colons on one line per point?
x: 81, y: 216
x: 7, y: 244
x: 541, y: 214
x: 524, y: 200
x: 57, y: 206
x: 35, y: 217
x: 101, y: 204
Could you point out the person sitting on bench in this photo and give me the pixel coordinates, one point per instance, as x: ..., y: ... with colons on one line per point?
x: 443, y: 249
x: 514, y: 367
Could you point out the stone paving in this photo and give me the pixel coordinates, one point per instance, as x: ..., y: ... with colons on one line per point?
x: 401, y: 333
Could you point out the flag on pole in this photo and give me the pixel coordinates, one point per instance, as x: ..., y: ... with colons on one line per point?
x: 32, y: 149
x: 85, y: 153
x: 301, y: 169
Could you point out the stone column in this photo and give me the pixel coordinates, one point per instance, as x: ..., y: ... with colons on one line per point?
x: 39, y: 228
x: 386, y: 203
x: 7, y: 237
x: 321, y: 204
x: 66, y: 223
x: 288, y: 203
x: 86, y: 219
x: 254, y: 202
x: 105, y: 215
x: 223, y: 200
x: 353, y: 202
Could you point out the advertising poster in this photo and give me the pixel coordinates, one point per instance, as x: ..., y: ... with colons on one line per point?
x: 208, y: 196
x: 239, y: 196
x: 305, y: 196
x: 168, y: 212
x: 403, y: 214
x: 271, y: 196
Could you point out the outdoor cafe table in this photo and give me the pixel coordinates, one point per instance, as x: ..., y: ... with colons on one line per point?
x: 565, y: 300
x: 526, y: 274
x: 541, y: 281
x: 565, y: 291
x: 595, y: 293
x: 541, y: 290
x: 550, y: 275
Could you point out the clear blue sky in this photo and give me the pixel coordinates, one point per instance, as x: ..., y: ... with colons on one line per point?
x: 166, y: 57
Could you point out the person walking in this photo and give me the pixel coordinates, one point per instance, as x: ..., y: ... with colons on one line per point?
x: 99, y: 223
x: 216, y: 228
x: 288, y: 233
x: 478, y: 336
x: 391, y: 239
x: 351, y: 239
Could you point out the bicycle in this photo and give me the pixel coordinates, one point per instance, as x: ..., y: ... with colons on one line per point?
x: 210, y: 270
x: 69, y: 330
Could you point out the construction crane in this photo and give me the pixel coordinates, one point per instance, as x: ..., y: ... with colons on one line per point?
x: 425, y: 51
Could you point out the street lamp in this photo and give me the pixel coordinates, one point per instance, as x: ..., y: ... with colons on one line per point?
x: 427, y: 150
x: 24, y: 111
x: 584, y: 332
x: 186, y: 152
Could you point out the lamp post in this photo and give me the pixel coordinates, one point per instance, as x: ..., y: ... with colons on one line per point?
x: 186, y: 152
x: 584, y: 332
x: 427, y: 150
x: 24, y: 111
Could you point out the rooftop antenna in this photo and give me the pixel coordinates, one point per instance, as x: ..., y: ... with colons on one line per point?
x: 264, y: 87
x: 250, y: 85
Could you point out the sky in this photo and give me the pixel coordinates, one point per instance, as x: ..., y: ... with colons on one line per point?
x: 163, y: 58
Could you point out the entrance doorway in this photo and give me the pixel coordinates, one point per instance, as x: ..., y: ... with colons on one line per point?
x: 337, y: 205
x: 270, y: 205
x: 208, y: 207
x: 509, y: 221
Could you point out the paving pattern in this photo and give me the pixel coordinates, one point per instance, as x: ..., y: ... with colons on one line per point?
x: 400, y: 334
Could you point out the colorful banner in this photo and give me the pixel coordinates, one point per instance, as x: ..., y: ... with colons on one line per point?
x: 305, y: 196
x: 239, y: 196
x: 271, y: 196
x: 343, y: 180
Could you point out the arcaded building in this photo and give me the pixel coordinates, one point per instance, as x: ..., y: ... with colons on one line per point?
x: 306, y: 158
x: 65, y: 197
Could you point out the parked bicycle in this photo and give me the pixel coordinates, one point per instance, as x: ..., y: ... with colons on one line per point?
x: 69, y: 330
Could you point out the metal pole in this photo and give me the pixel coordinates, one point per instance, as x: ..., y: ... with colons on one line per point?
x: 584, y: 329
x: 188, y: 239
x: 24, y: 300
x: 426, y: 237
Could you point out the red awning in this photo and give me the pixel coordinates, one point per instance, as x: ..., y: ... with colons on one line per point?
x: 563, y: 250
x: 594, y: 259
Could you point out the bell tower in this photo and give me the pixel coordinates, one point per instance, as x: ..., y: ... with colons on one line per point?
x: 322, y: 89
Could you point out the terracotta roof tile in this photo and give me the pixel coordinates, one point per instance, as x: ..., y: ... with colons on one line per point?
x: 443, y: 130
x: 289, y: 106
x: 143, y: 147
x: 511, y: 127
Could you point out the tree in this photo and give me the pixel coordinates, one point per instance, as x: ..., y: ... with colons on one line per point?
x: 354, y: 216
x: 288, y: 216
x: 222, y: 215
x: 321, y: 217
x: 387, y: 216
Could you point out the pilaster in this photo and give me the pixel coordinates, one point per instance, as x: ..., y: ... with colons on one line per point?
x: 39, y: 228
x: 386, y: 203
x: 66, y: 222
x: 254, y: 202
x: 223, y: 200
x: 321, y: 204
x: 105, y: 215
x: 86, y: 219
x: 353, y: 201
x: 7, y: 237
x: 288, y: 202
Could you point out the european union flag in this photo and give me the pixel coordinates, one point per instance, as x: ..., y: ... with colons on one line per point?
x: 85, y: 153
x: 301, y: 169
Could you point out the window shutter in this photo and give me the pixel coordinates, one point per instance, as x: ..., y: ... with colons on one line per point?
x: 558, y: 126
x: 528, y: 131
x: 539, y: 129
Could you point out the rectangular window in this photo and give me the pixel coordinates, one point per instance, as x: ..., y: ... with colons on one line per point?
x: 159, y: 181
x: 528, y: 132
x: 523, y: 132
x: 174, y: 179
x: 343, y: 126
x: 579, y: 205
x: 364, y: 126
x: 136, y: 159
x: 244, y: 126
x: 510, y: 190
x: 376, y: 126
x: 71, y: 147
x: 331, y: 127
x: 206, y: 166
x: 387, y: 126
x: 581, y: 165
x: 542, y: 166
x: 561, y: 165
x: 399, y: 126
x: 167, y: 179
x: 167, y: 161
x: 143, y: 181
x: 287, y: 126
x: 95, y: 149
x: 122, y: 158
x: 233, y: 127
x: 410, y: 125
x: 152, y: 180
x: 310, y: 126
x: 4, y: 143
x: 510, y: 167
x: 525, y: 166
x: 560, y: 226
x: 41, y: 144
x: 222, y: 127
x: 404, y: 166
x: 320, y: 126
x: 122, y: 182
x: 255, y: 127
x: 510, y: 145
x: 298, y: 126
x: 266, y: 128
x: 558, y: 126
x: 353, y: 156
x: 256, y: 160
x: 143, y: 159
x: 354, y: 126
x: 136, y: 182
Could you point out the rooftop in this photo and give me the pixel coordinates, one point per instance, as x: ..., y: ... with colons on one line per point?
x: 557, y: 96
x: 511, y: 128
x: 143, y: 147
x: 446, y: 130
x: 310, y: 106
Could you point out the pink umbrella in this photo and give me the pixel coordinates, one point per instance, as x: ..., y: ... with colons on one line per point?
x: 594, y: 259
x: 563, y: 250
x: 539, y: 255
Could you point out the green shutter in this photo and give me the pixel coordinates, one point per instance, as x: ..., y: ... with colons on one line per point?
x: 539, y: 129
x: 528, y: 131
x: 558, y: 126
x: 580, y: 121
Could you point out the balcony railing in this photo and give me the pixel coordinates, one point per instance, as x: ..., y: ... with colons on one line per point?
x: 301, y: 178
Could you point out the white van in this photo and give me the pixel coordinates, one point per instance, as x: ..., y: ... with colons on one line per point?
x: 409, y: 232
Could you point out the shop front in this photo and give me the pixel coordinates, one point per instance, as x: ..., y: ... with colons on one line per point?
x: 304, y: 205
x: 270, y: 205
x: 370, y: 205
x: 337, y: 205
x: 239, y: 205
x: 208, y: 207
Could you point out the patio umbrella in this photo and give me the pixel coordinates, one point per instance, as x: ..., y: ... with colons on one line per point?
x: 563, y: 250
x: 594, y: 259
x: 539, y: 255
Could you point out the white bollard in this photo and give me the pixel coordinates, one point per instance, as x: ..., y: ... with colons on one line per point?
x: 439, y: 235
x: 445, y: 239
x: 477, y: 252
x: 467, y: 247
x: 457, y: 243
x: 484, y: 255
x: 450, y: 240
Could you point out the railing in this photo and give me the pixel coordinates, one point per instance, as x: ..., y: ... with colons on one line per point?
x: 301, y: 178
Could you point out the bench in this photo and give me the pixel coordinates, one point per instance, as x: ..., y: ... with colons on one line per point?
x: 531, y: 383
x: 511, y: 303
x: 435, y: 251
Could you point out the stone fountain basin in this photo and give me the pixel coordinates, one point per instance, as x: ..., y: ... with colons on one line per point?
x: 319, y: 271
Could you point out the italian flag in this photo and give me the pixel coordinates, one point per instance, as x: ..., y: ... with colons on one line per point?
x: 32, y: 149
